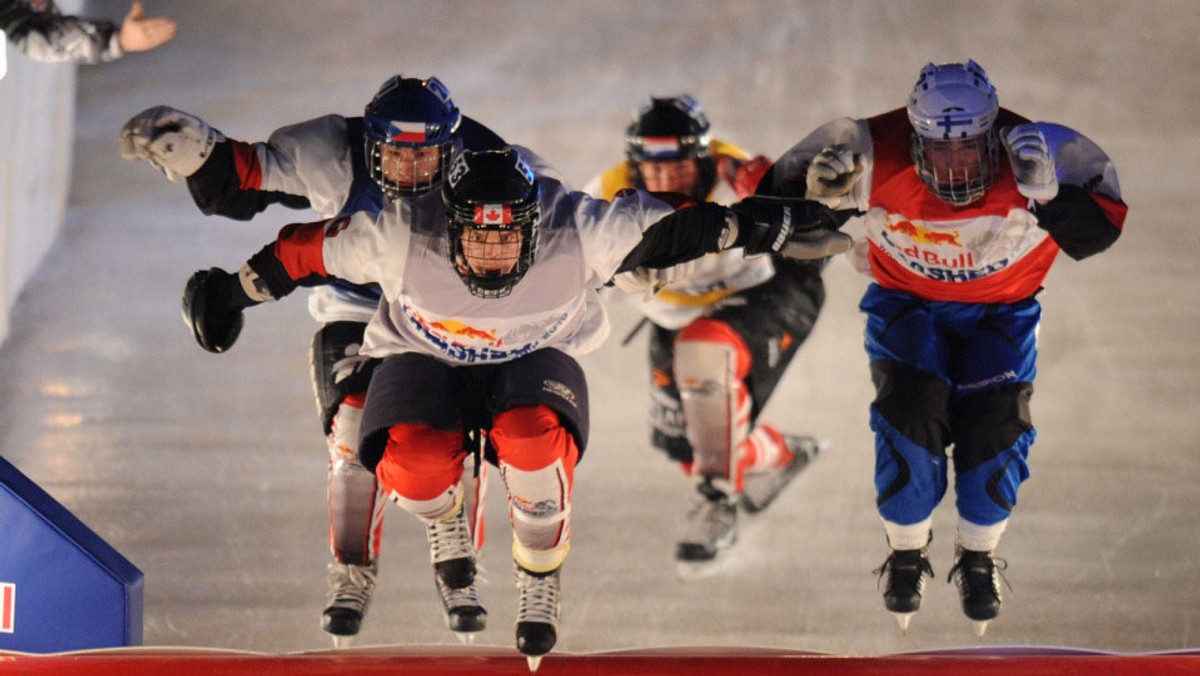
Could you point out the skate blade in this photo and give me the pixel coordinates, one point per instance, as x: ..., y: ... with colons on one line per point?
x: 341, y: 642
x: 534, y: 661
x: 465, y: 637
x: 903, y: 619
x: 980, y: 627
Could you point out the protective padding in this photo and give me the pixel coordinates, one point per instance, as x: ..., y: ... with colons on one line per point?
x: 355, y: 500
x: 61, y: 586
x: 537, y: 461
x: 711, y: 362
x: 419, y: 462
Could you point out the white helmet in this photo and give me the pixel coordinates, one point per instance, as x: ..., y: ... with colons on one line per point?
x: 952, y: 109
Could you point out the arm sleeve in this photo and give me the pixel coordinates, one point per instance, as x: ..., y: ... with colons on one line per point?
x: 1088, y: 214
x: 1081, y: 222
x: 684, y: 235
x: 228, y: 184
x: 787, y: 177
x: 49, y: 36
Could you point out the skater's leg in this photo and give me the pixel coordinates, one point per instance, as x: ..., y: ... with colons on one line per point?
x: 356, y: 506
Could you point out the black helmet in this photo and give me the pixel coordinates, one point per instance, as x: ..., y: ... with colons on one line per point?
x: 409, y: 112
x: 667, y: 129
x: 491, y: 191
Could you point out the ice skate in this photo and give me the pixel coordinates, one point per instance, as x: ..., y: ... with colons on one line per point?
x: 762, y: 488
x: 451, y: 550
x: 977, y: 576
x: 537, y: 613
x: 350, y: 588
x: 465, y: 615
x: 906, y: 570
x: 711, y: 528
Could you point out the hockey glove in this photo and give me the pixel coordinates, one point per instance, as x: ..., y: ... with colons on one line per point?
x: 833, y: 172
x: 213, y: 301
x: 799, y: 229
x: 175, y: 142
x: 1032, y: 162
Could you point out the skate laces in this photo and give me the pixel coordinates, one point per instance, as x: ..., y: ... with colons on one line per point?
x: 981, y: 564
x: 350, y: 585
x: 458, y: 598
x: 905, y: 561
x: 539, y: 597
x: 450, y: 538
x: 709, y: 519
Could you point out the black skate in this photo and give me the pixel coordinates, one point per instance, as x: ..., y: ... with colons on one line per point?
x: 537, y: 613
x: 452, y: 551
x: 906, y: 570
x: 978, y: 579
x: 711, y: 528
x: 762, y: 488
x: 350, y: 589
x: 465, y: 616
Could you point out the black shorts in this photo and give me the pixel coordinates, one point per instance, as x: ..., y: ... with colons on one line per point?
x: 418, y: 389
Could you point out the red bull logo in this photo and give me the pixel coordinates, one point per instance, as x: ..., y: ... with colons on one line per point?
x: 453, y: 328
x: 920, y: 235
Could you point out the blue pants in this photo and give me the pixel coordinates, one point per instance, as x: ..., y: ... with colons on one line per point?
x: 950, y: 374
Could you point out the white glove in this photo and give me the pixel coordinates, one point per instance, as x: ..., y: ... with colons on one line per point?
x: 650, y: 281
x: 175, y: 142
x: 833, y: 172
x: 1032, y: 163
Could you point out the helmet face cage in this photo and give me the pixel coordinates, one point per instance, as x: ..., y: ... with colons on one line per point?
x: 953, y: 109
x: 671, y: 129
x: 406, y: 116
x: 491, y: 201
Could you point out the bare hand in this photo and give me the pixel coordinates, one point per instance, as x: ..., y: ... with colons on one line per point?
x: 139, y: 34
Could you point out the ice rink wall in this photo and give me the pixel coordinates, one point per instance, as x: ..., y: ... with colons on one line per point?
x: 37, y: 112
x: 469, y: 661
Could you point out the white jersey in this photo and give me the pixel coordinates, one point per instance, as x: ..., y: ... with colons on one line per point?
x: 313, y: 159
x: 426, y: 307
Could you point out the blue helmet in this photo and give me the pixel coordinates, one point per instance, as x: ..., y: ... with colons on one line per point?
x: 409, y: 112
x: 953, y: 110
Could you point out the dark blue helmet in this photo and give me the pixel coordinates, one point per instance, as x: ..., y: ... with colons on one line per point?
x: 409, y: 113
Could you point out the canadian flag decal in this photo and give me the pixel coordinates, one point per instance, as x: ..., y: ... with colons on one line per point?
x: 8, y: 607
x: 493, y: 214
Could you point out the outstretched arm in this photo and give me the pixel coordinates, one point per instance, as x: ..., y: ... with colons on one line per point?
x: 798, y: 229
x: 223, y: 175
x: 214, y: 300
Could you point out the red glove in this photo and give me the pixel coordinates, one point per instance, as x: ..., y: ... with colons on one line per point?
x: 743, y: 175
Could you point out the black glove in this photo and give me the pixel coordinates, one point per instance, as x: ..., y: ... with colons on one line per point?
x: 213, y: 301
x: 796, y: 228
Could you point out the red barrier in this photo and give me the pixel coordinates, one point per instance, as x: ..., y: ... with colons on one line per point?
x: 467, y: 661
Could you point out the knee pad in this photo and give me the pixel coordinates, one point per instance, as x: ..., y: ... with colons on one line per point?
x: 993, y: 432
x: 986, y: 423
x: 420, y: 464
x: 711, y: 362
x: 914, y: 403
x: 537, y: 462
